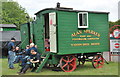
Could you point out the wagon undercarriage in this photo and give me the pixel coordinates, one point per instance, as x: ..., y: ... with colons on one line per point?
x: 69, y: 63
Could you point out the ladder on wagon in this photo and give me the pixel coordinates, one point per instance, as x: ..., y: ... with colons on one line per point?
x: 45, y: 58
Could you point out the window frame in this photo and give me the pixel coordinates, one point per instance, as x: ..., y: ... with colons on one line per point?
x: 80, y: 26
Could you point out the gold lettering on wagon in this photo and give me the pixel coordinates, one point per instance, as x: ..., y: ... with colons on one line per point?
x: 78, y: 36
x: 85, y: 44
x: 85, y: 38
x: 85, y: 31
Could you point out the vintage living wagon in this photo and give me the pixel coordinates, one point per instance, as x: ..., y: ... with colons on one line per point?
x: 65, y: 36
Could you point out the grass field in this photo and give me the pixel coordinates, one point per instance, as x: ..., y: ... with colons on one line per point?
x: 87, y: 69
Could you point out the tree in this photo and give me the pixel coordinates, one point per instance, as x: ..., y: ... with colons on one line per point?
x: 118, y: 22
x: 114, y: 23
x: 13, y: 13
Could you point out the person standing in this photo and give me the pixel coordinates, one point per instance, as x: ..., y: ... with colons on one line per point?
x: 11, y: 53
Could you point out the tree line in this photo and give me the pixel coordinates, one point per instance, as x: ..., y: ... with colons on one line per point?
x: 114, y: 23
x: 13, y: 13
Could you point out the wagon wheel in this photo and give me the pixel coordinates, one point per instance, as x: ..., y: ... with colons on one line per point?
x: 98, y: 61
x: 68, y: 63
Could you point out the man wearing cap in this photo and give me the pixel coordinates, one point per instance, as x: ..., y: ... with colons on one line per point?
x: 11, y: 53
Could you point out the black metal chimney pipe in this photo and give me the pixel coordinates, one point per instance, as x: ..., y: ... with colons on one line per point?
x: 58, y: 5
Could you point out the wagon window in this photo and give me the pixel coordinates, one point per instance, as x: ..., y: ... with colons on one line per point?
x: 83, y: 20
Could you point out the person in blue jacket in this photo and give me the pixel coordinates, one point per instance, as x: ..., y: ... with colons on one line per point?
x: 27, y: 49
x: 11, y: 53
x: 32, y: 47
x: 21, y: 55
x: 33, y: 59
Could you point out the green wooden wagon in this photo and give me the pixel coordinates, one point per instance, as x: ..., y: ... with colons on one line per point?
x: 71, y: 36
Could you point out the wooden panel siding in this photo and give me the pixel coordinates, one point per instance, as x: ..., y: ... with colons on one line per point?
x: 67, y: 24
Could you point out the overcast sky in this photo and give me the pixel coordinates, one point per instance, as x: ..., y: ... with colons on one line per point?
x: 32, y: 6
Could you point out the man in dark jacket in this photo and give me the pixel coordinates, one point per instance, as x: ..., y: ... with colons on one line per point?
x: 34, y: 60
x: 32, y: 47
x: 11, y: 53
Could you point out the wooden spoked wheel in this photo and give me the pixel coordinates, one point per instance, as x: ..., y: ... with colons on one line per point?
x: 68, y: 63
x: 98, y: 61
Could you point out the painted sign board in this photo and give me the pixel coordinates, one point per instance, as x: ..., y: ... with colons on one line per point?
x: 114, y: 45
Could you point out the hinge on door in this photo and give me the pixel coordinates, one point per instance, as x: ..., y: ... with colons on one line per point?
x: 54, y: 32
x: 54, y: 25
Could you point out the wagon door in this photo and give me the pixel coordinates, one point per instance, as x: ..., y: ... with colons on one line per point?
x: 52, y: 31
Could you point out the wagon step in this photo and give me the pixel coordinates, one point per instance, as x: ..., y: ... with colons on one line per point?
x: 45, y: 59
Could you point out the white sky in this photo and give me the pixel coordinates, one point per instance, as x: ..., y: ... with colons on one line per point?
x: 33, y: 6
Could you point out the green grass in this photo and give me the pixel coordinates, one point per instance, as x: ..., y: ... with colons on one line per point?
x: 87, y: 69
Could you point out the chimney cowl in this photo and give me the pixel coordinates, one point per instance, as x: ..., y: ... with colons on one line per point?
x: 58, y: 5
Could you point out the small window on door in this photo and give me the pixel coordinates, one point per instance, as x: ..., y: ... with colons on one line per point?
x: 82, y: 20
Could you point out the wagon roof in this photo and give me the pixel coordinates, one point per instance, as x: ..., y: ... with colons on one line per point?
x: 7, y: 26
x: 69, y: 10
x: 7, y: 35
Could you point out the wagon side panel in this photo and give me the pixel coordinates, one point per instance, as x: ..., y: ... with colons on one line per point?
x: 100, y: 24
x: 72, y: 39
x: 38, y: 33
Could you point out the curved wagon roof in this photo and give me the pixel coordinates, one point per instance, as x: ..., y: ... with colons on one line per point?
x: 69, y: 10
